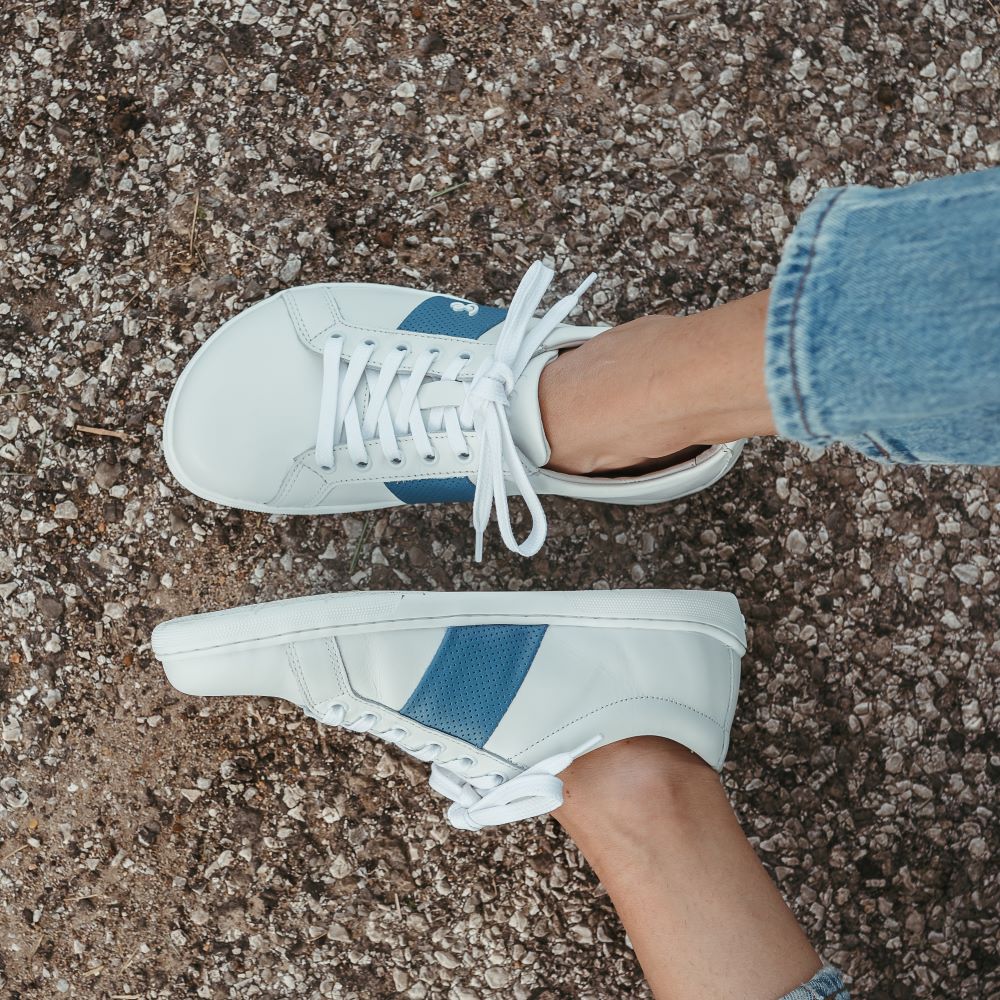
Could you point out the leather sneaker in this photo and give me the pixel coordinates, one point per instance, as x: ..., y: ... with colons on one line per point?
x: 334, y: 398
x: 498, y: 691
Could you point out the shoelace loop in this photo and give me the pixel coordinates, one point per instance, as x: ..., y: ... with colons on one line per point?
x: 484, y: 409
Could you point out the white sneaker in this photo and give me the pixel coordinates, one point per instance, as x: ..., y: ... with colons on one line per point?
x: 499, y: 691
x: 335, y: 398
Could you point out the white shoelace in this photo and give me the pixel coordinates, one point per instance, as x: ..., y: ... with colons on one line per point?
x: 477, y: 801
x: 483, y: 411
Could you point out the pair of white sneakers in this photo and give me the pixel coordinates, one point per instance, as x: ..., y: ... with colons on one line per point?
x: 338, y: 398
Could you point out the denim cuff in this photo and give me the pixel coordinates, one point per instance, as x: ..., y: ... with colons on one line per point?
x: 807, y: 277
x: 827, y: 984
x: 883, y: 329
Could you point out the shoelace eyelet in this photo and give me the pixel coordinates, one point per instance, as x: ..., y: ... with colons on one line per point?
x: 430, y: 459
x: 363, y: 465
x: 397, y: 461
x: 464, y: 456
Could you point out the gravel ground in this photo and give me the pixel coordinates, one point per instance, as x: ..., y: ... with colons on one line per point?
x: 162, y: 167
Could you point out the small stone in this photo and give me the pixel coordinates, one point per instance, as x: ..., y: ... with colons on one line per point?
x: 966, y: 572
x: 270, y: 83
x: 978, y: 848
x: 417, y: 182
x: 339, y: 933
x: 157, y: 16
x: 431, y: 44
x: 796, y: 543
x: 249, y: 14
x: 290, y: 270
x: 497, y: 977
x: 739, y: 165
x: 50, y: 607
x: 972, y: 59
x: 950, y: 620
x: 800, y: 69
x: 798, y: 189
x: 613, y: 51
x: 66, y: 511
x: 106, y: 474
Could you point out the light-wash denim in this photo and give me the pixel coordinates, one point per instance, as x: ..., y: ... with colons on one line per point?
x: 827, y: 984
x: 883, y: 328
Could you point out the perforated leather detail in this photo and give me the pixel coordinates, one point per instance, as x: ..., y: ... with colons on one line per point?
x: 438, y: 315
x: 449, y: 489
x: 473, y: 678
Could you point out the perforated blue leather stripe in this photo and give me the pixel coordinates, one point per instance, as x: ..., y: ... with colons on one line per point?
x: 436, y: 315
x: 474, y: 676
x: 450, y: 489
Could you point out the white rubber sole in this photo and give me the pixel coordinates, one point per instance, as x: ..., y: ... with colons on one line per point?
x: 716, y: 464
x: 713, y: 613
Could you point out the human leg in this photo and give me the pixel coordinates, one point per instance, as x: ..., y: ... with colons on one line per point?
x: 881, y: 331
x: 703, y: 915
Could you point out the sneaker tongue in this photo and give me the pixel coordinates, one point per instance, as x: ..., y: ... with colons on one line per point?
x: 525, y: 414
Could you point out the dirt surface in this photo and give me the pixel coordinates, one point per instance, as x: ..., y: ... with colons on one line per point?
x: 163, y: 166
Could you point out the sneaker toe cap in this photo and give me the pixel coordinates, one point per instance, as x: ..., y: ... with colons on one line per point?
x: 245, y: 406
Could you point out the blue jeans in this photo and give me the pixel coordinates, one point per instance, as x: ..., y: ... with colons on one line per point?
x: 883, y: 328
x: 883, y: 333
x: 827, y: 984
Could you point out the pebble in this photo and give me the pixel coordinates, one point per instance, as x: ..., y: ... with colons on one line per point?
x: 796, y: 543
x: 290, y: 269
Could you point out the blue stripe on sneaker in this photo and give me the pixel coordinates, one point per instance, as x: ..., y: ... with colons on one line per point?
x: 436, y: 315
x: 473, y: 678
x: 450, y: 489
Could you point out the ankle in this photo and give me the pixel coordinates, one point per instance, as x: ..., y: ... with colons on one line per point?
x: 632, y: 782
x: 654, y: 387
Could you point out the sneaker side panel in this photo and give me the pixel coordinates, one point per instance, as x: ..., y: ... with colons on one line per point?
x: 618, y: 683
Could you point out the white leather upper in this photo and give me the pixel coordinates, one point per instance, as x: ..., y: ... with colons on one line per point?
x: 608, y: 678
x: 241, y: 424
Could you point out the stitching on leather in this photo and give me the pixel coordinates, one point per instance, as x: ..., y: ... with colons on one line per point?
x: 339, y: 668
x: 298, y: 673
x: 295, y: 315
x: 793, y: 318
x: 290, y: 480
x: 433, y: 735
x: 611, y: 704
